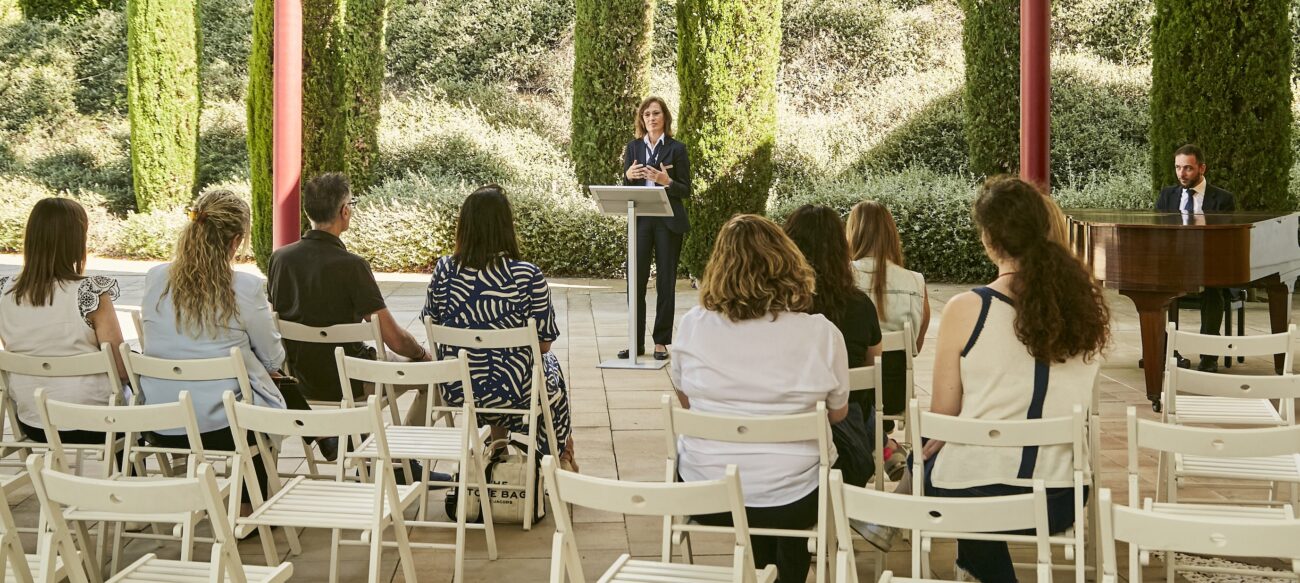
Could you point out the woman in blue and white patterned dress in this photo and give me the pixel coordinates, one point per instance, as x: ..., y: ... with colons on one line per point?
x: 484, y: 286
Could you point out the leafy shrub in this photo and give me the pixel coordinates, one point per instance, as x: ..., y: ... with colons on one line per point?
x: 407, y: 223
x: 223, y: 153
x: 20, y: 195
x: 81, y: 155
x: 97, y: 42
x: 474, y: 40
x: 39, y: 80
x: 1116, y: 30
x: 149, y: 235
x: 64, y: 9
x: 225, y: 26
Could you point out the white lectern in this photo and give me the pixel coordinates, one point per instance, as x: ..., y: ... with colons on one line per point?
x: 635, y: 201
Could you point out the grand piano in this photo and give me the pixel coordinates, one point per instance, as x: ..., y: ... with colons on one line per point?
x: 1154, y: 257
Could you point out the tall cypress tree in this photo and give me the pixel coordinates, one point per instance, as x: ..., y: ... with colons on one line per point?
x: 727, y: 57
x: 260, y: 107
x: 1220, y: 78
x: 991, y: 44
x: 163, y: 100
x: 611, y: 74
x: 363, y: 84
x: 324, y: 103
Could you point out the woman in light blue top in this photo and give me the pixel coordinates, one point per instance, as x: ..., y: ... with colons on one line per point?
x: 198, y: 306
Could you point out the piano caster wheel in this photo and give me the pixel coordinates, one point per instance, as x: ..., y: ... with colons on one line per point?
x: 1155, y: 405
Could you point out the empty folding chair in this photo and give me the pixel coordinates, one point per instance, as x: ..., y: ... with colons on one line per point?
x: 539, y: 401
x: 66, y: 498
x: 431, y: 444
x: 932, y: 518
x: 335, y: 505
x: 1269, y: 454
x: 650, y: 499
x: 804, y: 427
x: 1148, y: 529
x: 1199, y: 398
x: 1061, y: 433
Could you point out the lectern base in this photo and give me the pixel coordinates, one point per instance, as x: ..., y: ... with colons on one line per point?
x: 643, y: 363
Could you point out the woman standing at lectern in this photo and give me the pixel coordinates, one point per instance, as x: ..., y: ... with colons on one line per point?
x: 654, y: 158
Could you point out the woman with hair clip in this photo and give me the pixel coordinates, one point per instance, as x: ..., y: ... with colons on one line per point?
x: 819, y: 234
x: 751, y: 348
x: 198, y: 307
x: 900, y: 298
x: 1026, y: 346
x: 52, y: 308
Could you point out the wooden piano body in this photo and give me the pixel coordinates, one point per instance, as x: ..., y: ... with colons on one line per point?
x: 1154, y: 257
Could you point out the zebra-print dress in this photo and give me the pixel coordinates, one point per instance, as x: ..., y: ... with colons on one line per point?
x: 503, y: 295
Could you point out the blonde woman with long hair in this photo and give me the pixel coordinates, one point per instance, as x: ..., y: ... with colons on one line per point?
x: 198, y: 306
x: 900, y: 298
x: 750, y: 348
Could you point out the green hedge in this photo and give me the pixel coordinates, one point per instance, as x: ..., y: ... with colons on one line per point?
x: 611, y: 74
x: 324, y: 132
x: 61, y: 9
x: 163, y: 100
x: 727, y: 60
x: 991, y: 42
x: 260, y: 103
x: 1222, y: 79
x: 1116, y: 30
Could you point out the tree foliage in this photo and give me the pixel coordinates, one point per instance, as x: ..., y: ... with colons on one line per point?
x: 611, y: 74
x: 1220, y: 78
x: 991, y: 43
x: 260, y: 103
x: 727, y: 59
x: 163, y: 100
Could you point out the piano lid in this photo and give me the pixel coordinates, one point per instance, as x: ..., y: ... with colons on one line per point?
x: 1170, y: 220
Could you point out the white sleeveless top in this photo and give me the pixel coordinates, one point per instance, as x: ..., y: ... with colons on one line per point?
x: 1000, y: 380
x: 904, y: 294
x: 60, y: 328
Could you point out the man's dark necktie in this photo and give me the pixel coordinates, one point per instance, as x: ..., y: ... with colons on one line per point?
x: 1190, y: 205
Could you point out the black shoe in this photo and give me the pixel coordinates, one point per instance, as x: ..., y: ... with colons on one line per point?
x: 623, y: 354
x: 329, y: 448
x: 417, y: 468
x: 1210, y: 364
x: 661, y: 355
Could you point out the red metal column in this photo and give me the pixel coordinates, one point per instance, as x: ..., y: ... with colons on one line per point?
x: 286, y: 140
x: 1035, y: 92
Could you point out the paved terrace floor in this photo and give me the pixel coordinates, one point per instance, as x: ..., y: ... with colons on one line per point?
x: 618, y: 433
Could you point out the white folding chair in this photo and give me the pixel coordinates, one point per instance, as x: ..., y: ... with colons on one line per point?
x: 650, y: 499
x: 337, y: 504
x: 367, y: 332
x: 932, y: 518
x: 92, y: 363
x: 539, y: 401
x: 15, y: 564
x: 122, y: 428
x: 67, y: 498
x: 1147, y: 529
x: 1199, y: 398
x: 812, y: 426
x: 431, y: 444
x: 1059, y: 432
x: 904, y: 341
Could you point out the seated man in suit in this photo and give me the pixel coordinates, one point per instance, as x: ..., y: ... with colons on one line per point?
x: 1193, y: 195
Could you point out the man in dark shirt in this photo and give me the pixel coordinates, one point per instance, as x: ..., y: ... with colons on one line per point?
x: 317, y: 282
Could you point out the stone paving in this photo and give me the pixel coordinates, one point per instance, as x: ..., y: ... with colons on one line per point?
x: 618, y: 432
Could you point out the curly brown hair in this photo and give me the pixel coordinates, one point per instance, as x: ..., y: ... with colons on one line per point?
x: 1060, y: 310
x: 755, y: 270
x: 818, y: 232
x: 201, y: 280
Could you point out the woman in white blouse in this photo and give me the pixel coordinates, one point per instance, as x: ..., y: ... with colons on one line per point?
x: 53, y: 309
x: 749, y: 349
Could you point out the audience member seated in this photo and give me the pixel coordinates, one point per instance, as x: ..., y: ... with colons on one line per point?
x: 819, y: 234
x: 1026, y: 346
x: 900, y: 298
x: 484, y: 286
x: 198, y: 306
x: 318, y: 282
x: 751, y: 348
x: 53, y: 309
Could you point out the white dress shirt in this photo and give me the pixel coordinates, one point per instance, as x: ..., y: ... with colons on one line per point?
x: 650, y: 150
x: 1198, y: 192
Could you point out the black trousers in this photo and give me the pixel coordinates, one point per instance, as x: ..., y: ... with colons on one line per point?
x: 654, y: 236
x: 219, y: 440
x: 789, y: 554
x: 1212, y: 302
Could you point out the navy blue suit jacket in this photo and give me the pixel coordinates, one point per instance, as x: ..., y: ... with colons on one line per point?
x: 1216, y: 199
x: 671, y: 153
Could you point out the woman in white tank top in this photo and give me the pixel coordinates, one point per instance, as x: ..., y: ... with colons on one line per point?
x: 1026, y: 346
x: 51, y: 308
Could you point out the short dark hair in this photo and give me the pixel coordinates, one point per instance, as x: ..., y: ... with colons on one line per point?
x: 324, y: 195
x: 485, y: 229
x: 1191, y: 150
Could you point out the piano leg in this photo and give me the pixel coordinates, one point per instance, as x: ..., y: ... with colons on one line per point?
x: 1152, y: 308
x: 1279, y: 312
